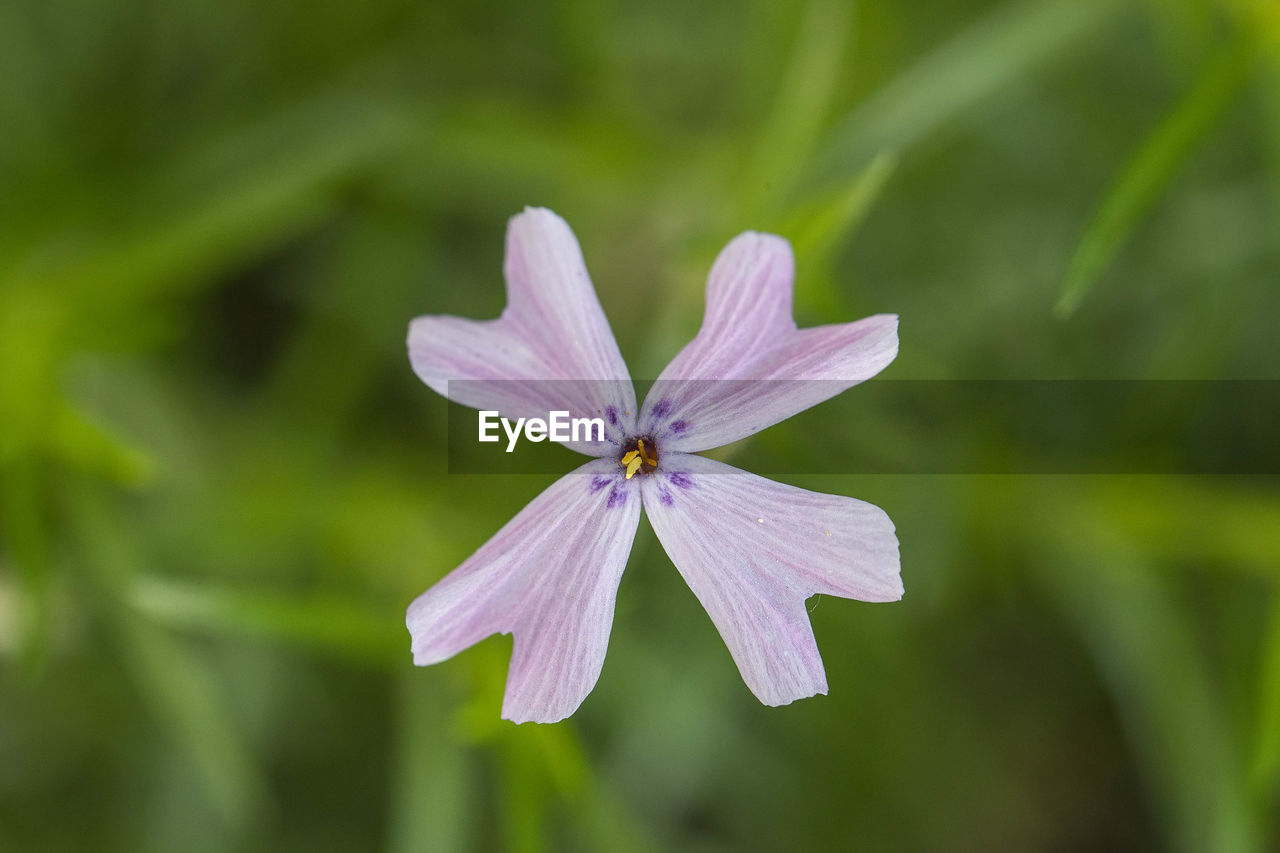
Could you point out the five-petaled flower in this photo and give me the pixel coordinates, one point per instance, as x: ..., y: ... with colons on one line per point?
x: 752, y: 550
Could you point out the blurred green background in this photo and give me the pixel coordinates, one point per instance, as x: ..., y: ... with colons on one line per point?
x: 221, y: 484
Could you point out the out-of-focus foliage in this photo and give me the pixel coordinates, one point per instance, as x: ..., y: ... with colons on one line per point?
x: 220, y: 483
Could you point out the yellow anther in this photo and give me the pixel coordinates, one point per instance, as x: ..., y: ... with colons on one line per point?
x: 648, y: 460
x: 634, y: 460
x: 633, y: 465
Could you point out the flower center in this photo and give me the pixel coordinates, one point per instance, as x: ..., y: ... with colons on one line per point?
x: 642, y: 456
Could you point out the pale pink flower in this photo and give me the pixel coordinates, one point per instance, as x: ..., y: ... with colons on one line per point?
x: 752, y: 550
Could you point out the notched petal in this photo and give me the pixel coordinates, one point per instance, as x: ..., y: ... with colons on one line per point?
x: 753, y: 550
x: 550, y: 578
x: 552, y: 348
x: 749, y: 367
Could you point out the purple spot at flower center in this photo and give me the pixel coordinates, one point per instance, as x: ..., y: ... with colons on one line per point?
x: 598, y: 483
x: 677, y: 427
x: 664, y: 495
x: 616, y: 498
x: 681, y: 479
x: 662, y: 409
x: 612, y: 414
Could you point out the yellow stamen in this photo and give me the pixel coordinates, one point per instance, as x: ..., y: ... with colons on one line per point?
x: 634, y: 460
x: 633, y: 465
x: 648, y: 460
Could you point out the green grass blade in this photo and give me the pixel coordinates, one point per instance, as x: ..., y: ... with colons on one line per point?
x: 998, y: 51
x: 434, y: 782
x: 819, y: 227
x: 331, y: 623
x: 211, y: 205
x: 800, y: 107
x: 187, y: 698
x: 25, y: 539
x: 182, y: 690
x: 1148, y: 656
x: 82, y: 443
x: 1264, y: 771
x: 1150, y: 172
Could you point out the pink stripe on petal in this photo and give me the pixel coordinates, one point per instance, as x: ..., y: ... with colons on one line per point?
x: 753, y: 550
x: 553, y: 328
x: 749, y: 366
x: 550, y: 578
